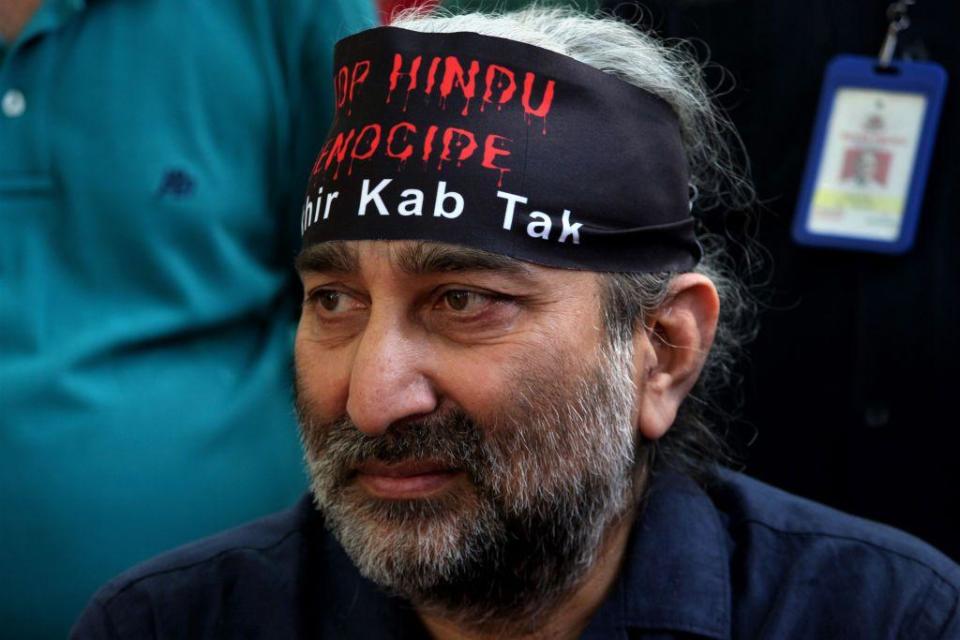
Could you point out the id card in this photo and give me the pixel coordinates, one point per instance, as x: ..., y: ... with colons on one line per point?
x: 870, y: 154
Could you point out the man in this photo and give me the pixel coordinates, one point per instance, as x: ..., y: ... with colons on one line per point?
x: 507, y: 325
x: 147, y: 306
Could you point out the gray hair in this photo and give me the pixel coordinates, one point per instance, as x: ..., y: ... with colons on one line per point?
x: 616, y: 47
x: 692, y: 445
x: 717, y: 175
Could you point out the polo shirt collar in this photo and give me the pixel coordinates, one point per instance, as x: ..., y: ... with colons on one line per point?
x: 675, y: 572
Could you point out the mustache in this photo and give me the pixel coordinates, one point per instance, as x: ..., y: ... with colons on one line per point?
x: 451, y: 438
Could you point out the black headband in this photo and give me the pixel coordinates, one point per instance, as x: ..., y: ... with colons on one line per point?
x: 503, y: 146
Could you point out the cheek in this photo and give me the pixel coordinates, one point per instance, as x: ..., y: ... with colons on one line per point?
x: 492, y: 383
x: 322, y: 378
x: 478, y: 380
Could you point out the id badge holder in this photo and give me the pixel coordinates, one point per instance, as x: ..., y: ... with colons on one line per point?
x: 870, y: 154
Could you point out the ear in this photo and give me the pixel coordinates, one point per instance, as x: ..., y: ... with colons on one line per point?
x: 671, y: 350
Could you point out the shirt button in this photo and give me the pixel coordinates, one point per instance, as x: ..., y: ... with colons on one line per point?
x: 13, y: 103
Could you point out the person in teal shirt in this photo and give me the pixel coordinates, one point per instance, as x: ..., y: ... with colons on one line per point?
x: 147, y: 302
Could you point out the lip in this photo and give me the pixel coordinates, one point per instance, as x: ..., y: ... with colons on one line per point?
x: 408, y: 479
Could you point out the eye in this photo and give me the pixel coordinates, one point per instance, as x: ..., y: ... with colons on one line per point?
x: 329, y: 299
x: 457, y: 300
x: 460, y: 300
x: 330, y: 302
x: 471, y: 314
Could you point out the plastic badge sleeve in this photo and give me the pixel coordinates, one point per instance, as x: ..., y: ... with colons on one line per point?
x: 870, y: 154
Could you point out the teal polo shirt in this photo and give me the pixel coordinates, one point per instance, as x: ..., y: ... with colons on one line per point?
x: 153, y: 160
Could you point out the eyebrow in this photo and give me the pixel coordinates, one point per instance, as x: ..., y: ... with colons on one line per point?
x: 328, y: 257
x: 423, y: 258
x: 420, y: 258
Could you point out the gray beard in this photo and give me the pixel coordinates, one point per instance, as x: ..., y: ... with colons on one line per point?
x: 547, y: 477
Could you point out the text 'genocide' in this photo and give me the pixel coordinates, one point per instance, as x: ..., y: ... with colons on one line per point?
x: 440, y: 77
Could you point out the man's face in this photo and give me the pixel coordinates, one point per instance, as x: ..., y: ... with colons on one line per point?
x: 467, y: 421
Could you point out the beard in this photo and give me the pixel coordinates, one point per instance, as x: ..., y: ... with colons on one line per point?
x: 547, y: 474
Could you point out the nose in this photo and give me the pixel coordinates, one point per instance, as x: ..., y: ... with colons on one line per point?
x: 387, y: 381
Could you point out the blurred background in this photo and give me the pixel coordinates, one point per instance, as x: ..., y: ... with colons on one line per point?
x: 133, y: 133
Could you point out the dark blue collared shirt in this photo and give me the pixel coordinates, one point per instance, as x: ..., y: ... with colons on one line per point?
x: 738, y: 559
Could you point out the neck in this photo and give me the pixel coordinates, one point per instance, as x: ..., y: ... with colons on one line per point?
x: 564, y: 619
x: 14, y: 15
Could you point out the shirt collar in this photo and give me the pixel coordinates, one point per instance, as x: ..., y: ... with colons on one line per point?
x: 50, y: 16
x: 342, y: 603
x: 675, y: 572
